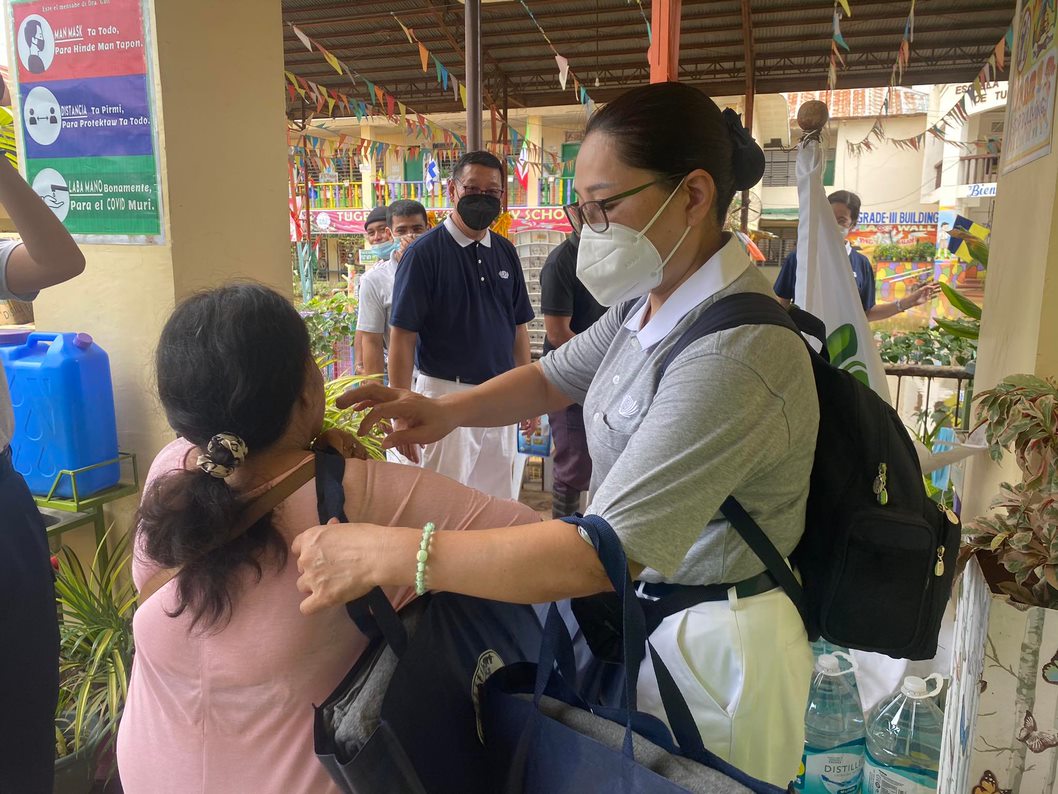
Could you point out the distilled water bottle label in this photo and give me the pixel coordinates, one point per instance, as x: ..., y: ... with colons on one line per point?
x: 837, y: 770
x: 880, y: 779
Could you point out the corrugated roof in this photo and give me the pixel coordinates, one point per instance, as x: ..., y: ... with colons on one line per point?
x: 607, y: 40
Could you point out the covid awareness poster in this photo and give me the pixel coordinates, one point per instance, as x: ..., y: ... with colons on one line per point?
x: 89, y: 141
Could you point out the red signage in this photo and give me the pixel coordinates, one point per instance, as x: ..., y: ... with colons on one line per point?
x: 338, y: 221
x: 78, y: 39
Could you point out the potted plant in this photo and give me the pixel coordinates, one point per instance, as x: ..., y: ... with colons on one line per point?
x: 1006, y: 635
x: 95, y: 657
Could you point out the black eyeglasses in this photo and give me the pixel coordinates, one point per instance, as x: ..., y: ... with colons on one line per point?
x: 593, y: 213
x: 468, y: 190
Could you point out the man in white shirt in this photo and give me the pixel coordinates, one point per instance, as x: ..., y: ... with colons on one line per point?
x: 29, y: 665
x: 406, y: 220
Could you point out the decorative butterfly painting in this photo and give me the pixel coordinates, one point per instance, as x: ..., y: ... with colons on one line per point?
x: 1050, y: 670
x: 989, y: 785
x: 1035, y: 739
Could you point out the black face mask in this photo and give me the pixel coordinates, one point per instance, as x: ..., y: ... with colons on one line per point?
x: 478, y: 211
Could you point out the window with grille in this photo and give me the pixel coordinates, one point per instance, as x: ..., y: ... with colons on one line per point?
x: 780, y: 168
x: 777, y: 249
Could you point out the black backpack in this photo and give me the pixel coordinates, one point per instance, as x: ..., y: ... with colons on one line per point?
x: 877, y: 558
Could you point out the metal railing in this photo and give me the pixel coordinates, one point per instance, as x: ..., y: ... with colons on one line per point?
x: 977, y: 168
x: 962, y: 391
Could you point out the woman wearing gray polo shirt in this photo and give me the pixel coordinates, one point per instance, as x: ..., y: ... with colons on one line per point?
x: 735, y: 413
x: 29, y: 664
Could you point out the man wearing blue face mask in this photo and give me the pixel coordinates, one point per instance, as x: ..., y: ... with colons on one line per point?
x: 406, y: 221
x: 460, y: 310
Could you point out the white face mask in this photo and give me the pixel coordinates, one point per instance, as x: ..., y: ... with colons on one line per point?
x: 621, y: 264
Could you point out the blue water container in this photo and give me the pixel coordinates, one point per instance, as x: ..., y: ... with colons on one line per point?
x: 64, y: 412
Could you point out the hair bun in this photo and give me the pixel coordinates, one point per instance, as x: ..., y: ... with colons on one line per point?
x: 747, y: 158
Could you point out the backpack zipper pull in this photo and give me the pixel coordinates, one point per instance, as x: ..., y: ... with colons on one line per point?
x: 938, y: 569
x: 948, y: 513
x: 879, y: 488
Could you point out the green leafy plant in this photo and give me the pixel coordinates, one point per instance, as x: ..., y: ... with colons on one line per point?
x: 1021, y: 415
x: 892, y: 252
x: 331, y: 320
x: 888, y: 252
x: 95, y: 634
x: 349, y: 421
x: 927, y: 346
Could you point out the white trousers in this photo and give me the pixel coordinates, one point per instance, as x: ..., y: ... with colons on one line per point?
x: 744, y: 667
x: 479, y: 457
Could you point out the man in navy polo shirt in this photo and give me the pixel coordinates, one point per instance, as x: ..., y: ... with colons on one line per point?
x: 460, y: 311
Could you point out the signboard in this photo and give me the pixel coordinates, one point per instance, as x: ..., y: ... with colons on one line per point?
x: 977, y: 190
x: 890, y: 217
x: 89, y: 140
x: 339, y: 221
x: 1030, y: 116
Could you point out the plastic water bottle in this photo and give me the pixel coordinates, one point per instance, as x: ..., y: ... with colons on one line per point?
x: 834, y: 731
x: 903, y: 740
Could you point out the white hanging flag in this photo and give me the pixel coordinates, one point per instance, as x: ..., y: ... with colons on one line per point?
x: 563, y: 70
x: 521, y: 168
x: 826, y: 286
x: 430, y: 176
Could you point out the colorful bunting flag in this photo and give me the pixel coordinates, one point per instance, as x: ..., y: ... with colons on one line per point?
x: 302, y: 37
x: 845, y: 7
x: 463, y: 96
x: 838, y: 38
x: 424, y: 56
x: 329, y: 56
x: 563, y: 70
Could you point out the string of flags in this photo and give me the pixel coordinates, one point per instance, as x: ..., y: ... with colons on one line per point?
x: 445, y: 77
x: 380, y: 102
x: 646, y: 20
x: 837, y: 44
x: 564, y: 72
x: 956, y: 116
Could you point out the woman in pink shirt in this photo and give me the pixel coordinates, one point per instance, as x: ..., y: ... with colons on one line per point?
x: 226, y: 667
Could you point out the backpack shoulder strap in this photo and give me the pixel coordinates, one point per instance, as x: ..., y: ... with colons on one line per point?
x: 733, y: 311
x: 742, y: 308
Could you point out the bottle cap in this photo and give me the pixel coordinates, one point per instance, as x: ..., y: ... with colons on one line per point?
x: 82, y: 341
x: 828, y: 664
x: 918, y: 688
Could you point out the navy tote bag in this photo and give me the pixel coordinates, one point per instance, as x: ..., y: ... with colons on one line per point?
x: 543, y: 737
x: 405, y: 720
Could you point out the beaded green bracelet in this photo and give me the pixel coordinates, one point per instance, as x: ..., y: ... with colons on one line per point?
x: 421, y: 558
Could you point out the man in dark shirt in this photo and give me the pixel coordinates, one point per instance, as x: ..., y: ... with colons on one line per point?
x: 460, y: 313
x: 568, y: 310
x: 846, y: 207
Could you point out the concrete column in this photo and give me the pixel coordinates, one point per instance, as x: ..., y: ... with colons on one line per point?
x: 1019, y: 330
x: 226, y: 217
x: 534, y: 133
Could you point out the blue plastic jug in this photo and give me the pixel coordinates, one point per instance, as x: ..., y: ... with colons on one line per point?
x: 63, y: 402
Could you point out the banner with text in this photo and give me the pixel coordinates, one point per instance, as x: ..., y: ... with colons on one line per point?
x: 351, y: 221
x: 87, y: 118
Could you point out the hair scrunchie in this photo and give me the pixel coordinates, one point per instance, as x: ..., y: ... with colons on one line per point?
x: 224, y: 454
x: 747, y: 158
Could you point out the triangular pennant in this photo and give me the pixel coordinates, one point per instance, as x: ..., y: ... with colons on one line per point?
x: 563, y: 70
x: 1001, y: 54
x: 1009, y: 39
x: 583, y: 95
x: 335, y: 64
x: 302, y: 37
x: 424, y: 56
x: 370, y: 90
x: 380, y: 94
x: 391, y: 104
x: 838, y: 38
x: 319, y: 102
x: 330, y: 105
x: 455, y: 88
x: 290, y: 76
x: 444, y: 75
x: 292, y: 92
x: 463, y: 96
x: 845, y: 7
x: 407, y: 32
x: 403, y: 113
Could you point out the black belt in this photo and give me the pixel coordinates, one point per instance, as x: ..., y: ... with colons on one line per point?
x: 673, y: 598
